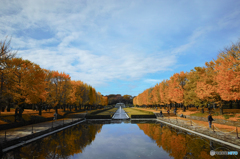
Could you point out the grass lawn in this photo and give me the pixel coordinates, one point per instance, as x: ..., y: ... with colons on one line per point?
x: 228, y: 114
x: 200, y: 114
x: 108, y: 112
x: 133, y: 111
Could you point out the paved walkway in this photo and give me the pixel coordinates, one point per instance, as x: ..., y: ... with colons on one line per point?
x: 34, y: 128
x: 120, y: 114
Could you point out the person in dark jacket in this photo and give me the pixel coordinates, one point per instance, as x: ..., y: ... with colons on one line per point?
x: 210, y: 119
x: 175, y: 111
x: 161, y: 114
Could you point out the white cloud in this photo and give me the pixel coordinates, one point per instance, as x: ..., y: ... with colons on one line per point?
x: 102, y: 41
x: 153, y: 81
x: 98, y: 69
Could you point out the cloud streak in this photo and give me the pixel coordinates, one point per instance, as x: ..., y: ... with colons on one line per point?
x: 100, y: 42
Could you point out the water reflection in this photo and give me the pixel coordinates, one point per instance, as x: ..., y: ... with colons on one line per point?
x: 121, y: 140
x: 180, y: 144
x: 60, y: 145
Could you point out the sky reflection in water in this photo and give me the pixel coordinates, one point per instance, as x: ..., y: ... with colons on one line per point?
x: 122, y: 141
x: 125, y: 140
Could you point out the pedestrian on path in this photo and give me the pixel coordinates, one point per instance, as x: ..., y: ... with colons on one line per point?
x: 168, y: 111
x: 175, y: 111
x: 210, y: 119
x: 161, y: 114
x: 55, y: 116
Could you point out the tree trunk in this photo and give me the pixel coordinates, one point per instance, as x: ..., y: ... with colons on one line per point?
x: 56, y: 109
x: 16, y: 114
x: 202, y: 110
x: 238, y: 104
x: 221, y: 110
x: 20, y: 114
x: 9, y: 106
x: 40, y: 110
x: 70, y: 107
x: 231, y: 105
x: 64, y: 107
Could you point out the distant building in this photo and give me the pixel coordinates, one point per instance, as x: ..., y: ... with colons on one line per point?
x: 120, y: 104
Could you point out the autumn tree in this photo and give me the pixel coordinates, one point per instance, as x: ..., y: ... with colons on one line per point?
x: 207, y: 85
x: 92, y: 97
x: 228, y: 74
x: 6, y: 54
x: 59, y: 85
x: 176, y: 88
x: 164, y: 93
x: 127, y: 99
x: 190, y: 95
x: 26, y: 83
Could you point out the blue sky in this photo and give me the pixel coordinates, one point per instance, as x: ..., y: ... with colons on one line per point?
x: 120, y: 47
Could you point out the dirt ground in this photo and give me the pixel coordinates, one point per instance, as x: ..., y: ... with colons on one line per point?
x: 190, y: 111
x: 29, y: 113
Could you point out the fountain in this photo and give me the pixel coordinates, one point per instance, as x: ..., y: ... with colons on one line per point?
x: 120, y: 114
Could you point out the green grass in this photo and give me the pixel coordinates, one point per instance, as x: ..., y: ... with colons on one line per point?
x: 108, y: 112
x: 132, y: 111
x: 102, y: 114
x: 199, y: 114
x: 227, y: 116
x: 216, y: 114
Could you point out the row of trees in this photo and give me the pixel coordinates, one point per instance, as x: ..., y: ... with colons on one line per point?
x: 118, y: 98
x: 24, y: 82
x: 217, y: 82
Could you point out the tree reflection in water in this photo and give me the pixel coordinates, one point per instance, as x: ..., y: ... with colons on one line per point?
x: 181, y: 144
x: 59, y: 145
x: 121, y: 141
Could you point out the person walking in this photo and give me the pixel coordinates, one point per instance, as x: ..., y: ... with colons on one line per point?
x: 168, y: 111
x: 175, y: 111
x: 161, y: 114
x: 210, y: 119
x: 55, y: 116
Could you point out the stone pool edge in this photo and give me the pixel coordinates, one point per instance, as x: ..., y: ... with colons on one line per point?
x: 203, y: 135
x: 39, y: 137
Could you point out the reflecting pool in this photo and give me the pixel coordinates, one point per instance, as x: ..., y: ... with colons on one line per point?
x: 121, y: 140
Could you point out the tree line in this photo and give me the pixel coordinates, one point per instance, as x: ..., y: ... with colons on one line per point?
x: 26, y: 83
x: 217, y: 82
x: 118, y: 98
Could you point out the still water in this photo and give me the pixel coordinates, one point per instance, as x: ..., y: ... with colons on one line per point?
x: 121, y: 140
